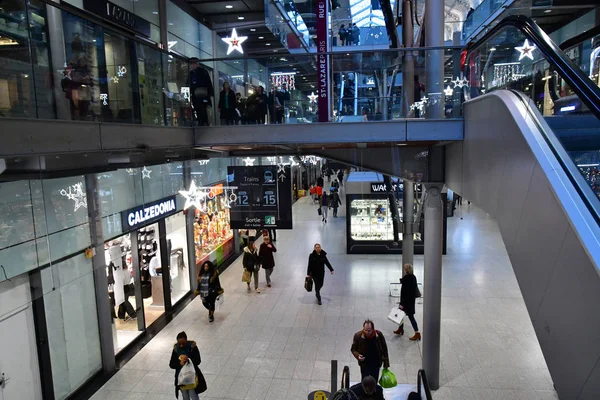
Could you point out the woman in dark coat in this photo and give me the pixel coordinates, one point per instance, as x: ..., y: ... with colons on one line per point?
x: 408, y: 297
x: 185, y: 351
x: 209, y: 287
x: 265, y: 253
x: 227, y: 104
x: 317, y: 260
x: 262, y: 102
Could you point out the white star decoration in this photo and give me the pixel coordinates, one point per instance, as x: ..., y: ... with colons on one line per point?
x: 249, y: 161
x: 313, y: 97
x: 115, y: 79
x: 458, y: 83
x: 235, y: 42
x: 448, y: 91
x: 193, y: 197
x: 146, y: 173
x: 526, y: 50
x: 76, y: 194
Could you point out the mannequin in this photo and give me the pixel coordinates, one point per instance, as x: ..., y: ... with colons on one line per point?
x: 122, y: 278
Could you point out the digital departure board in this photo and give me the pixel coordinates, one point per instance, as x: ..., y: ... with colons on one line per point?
x: 264, y: 197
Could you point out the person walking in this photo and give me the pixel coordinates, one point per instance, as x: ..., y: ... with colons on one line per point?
x: 265, y: 254
x: 334, y: 201
x: 368, y: 389
x: 340, y: 176
x: 227, y: 104
x: 262, y: 104
x: 184, y: 352
x: 324, y: 204
x: 201, y: 91
x: 370, y: 349
x: 209, y: 287
x: 317, y: 260
x: 355, y: 35
x: 408, y: 297
x: 343, y: 33
x: 251, y: 263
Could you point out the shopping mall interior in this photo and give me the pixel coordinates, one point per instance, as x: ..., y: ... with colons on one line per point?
x: 146, y: 143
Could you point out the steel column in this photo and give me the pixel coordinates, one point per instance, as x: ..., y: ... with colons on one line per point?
x: 105, y: 322
x: 432, y: 283
x: 434, y: 37
x: 408, y: 62
x: 408, y: 217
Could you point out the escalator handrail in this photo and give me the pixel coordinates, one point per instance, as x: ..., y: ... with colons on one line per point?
x: 580, y: 83
x: 422, y: 377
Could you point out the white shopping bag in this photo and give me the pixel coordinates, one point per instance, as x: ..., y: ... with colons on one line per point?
x: 396, y: 315
x: 187, y: 375
x: 220, y: 300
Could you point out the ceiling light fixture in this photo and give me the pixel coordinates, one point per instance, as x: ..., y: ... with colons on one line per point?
x: 267, y: 44
x: 252, y: 29
x: 241, y: 18
x: 548, y: 11
x: 229, y: 6
x: 261, y: 37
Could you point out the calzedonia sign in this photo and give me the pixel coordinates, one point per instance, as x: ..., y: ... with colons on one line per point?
x: 148, y: 213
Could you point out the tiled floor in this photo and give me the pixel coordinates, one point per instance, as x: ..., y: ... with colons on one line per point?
x: 278, y: 344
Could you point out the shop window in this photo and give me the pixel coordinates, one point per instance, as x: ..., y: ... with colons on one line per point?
x: 151, y: 85
x: 178, y: 256
x: 16, y: 216
x: 121, y: 86
x: 371, y: 219
x: 178, y: 103
x: 72, y: 322
x: 212, y: 226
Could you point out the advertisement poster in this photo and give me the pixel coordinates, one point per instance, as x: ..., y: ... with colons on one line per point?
x: 264, y: 197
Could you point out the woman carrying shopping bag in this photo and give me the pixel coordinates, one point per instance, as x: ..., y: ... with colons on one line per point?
x: 408, y: 297
x: 184, y: 358
x: 209, y: 287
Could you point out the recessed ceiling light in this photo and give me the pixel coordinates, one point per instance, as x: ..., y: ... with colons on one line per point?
x: 240, y: 18
x: 548, y: 11
x: 229, y: 6
x: 155, y: 12
x: 252, y: 29
x: 261, y: 37
x: 267, y: 44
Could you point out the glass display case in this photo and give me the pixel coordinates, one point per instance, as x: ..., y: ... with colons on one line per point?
x: 370, y: 219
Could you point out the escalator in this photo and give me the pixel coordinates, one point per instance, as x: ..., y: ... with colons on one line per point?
x: 530, y: 158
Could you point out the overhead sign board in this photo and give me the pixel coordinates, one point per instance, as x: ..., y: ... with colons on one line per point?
x: 118, y: 15
x: 148, y: 213
x: 264, y: 197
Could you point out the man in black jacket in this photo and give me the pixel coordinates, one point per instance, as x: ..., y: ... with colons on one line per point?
x: 201, y: 91
x: 251, y: 263
x: 368, y: 389
x: 317, y: 260
x: 370, y: 349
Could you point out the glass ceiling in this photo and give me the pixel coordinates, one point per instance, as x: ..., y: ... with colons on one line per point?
x: 363, y: 13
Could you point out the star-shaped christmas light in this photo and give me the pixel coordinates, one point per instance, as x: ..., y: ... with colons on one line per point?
x: 313, y: 97
x: 146, y: 173
x: 249, y: 161
x: 235, y: 42
x: 76, y: 194
x: 458, y: 83
x: 193, y: 197
x: 465, y: 82
x: 448, y: 91
x: 115, y: 79
x: 424, y: 99
x: 526, y: 50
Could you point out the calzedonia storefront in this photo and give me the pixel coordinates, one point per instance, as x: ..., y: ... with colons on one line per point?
x: 149, y: 268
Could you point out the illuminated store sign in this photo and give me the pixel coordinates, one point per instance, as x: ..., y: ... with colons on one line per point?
x: 148, y: 213
x: 118, y: 15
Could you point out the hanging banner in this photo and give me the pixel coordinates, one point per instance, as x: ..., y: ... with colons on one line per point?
x: 323, y: 59
x: 264, y: 197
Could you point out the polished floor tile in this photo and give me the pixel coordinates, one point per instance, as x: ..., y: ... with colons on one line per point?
x: 279, y: 344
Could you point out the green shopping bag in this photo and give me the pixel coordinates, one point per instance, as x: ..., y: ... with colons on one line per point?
x: 388, y: 379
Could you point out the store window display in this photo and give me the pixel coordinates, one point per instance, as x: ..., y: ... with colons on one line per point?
x: 178, y: 256
x: 212, y: 228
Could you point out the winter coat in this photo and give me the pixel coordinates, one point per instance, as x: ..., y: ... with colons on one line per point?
x: 191, y: 350
x: 360, y: 346
x: 199, y: 78
x: 214, y: 284
x: 360, y: 392
x: 334, y: 200
x: 251, y: 260
x: 265, y: 253
x: 408, y: 293
x: 232, y: 100
x: 325, y: 200
x: 316, y: 265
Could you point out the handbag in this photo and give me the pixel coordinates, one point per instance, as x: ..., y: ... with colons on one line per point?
x: 220, y: 300
x: 308, y: 284
x: 396, y: 315
x: 246, y: 276
x: 201, y: 92
x: 319, y: 211
x: 418, y: 294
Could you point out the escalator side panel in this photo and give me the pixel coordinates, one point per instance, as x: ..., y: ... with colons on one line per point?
x: 509, y: 171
